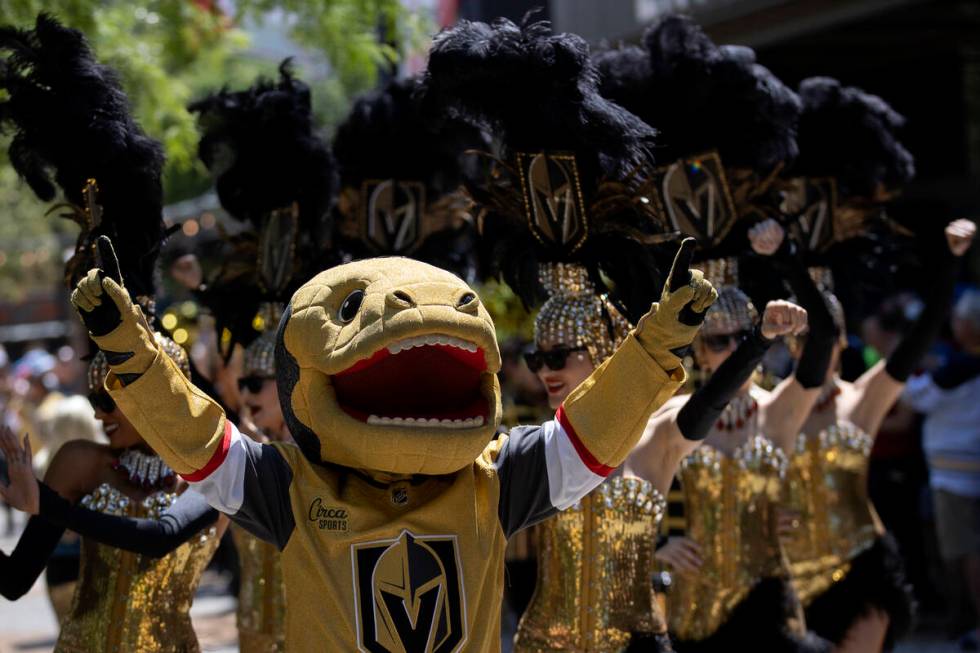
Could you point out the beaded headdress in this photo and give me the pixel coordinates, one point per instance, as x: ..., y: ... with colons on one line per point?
x: 566, y: 214
x: 276, y: 176
x: 73, y: 132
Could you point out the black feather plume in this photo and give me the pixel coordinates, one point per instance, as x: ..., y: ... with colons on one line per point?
x: 262, y: 147
x: 389, y: 135
x: 271, y: 167
x: 537, y: 91
x: 71, y: 122
x: 852, y: 136
x: 703, y: 97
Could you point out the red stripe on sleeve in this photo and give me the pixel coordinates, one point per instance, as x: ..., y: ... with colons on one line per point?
x: 216, y: 459
x: 583, y: 452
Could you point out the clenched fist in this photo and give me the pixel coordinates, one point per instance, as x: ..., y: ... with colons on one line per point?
x: 959, y: 236
x: 766, y: 237
x: 782, y: 318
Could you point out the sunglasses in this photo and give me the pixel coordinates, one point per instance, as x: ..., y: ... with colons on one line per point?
x: 252, y: 383
x: 723, y: 341
x: 555, y: 358
x: 102, y: 401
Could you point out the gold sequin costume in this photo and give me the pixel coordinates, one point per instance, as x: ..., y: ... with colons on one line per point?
x: 261, y: 598
x: 594, y: 565
x: 828, y: 487
x: 729, y: 506
x: 129, y: 602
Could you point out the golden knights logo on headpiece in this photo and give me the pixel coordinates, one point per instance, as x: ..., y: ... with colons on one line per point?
x: 408, y: 595
x: 814, y: 202
x: 696, y: 198
x: 392, y: 214
x: 553, y: 200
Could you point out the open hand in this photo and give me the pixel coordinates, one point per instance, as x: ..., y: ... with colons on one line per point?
x: 782, y: 318
x: 21, y: 492
x: 682, y: 553
x: 959, y: 236
x: 766, y: 237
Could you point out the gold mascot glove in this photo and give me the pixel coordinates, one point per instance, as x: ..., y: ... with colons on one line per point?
x: 181, y: 423
x: 115, y: 324
x: 670, y: 326
x: 608, y: 412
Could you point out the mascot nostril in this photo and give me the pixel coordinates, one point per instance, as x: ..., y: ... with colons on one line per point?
x: 401, y: 299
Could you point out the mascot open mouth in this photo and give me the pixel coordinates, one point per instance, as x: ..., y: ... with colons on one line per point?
x: 426, y: 381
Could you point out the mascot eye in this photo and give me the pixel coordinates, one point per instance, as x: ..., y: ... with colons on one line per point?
x: 349, y: 308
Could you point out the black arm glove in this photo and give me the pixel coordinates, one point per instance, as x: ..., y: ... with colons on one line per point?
x: 705, y: 405
x: 811, y: 369
x: 917, y: 341
x: 20, y: 569
x: 189, y: 514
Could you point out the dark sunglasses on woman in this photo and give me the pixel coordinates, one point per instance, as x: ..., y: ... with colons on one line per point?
x: 723, y: 341
x: 555, y: 358
x: 102, y: 401
x: 252, y: 383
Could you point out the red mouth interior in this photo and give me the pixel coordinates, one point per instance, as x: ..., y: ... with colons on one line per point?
x: 433, y: 381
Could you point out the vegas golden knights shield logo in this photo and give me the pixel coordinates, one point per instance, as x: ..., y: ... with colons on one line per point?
x: 392, y: 219
x: 553, y: 200
x: 408, y: 595
x: 813, y: 201
x: 696, y: 198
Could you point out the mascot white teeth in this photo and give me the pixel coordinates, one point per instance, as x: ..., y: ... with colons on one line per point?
x: 393, y: 513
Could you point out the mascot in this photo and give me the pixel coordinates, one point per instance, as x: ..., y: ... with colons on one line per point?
x: 393, y: 513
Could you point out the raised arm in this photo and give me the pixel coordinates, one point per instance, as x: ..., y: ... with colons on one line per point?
x: 187, y: 517
x: 882, y: 385
x: 182, y: 424
x: 783, y: 415
x: 601, y: 420
x: 20, y: 569
x: 674, y: 433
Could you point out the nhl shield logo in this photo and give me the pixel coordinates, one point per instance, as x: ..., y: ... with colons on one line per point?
x: 393, y: 212
x: 695, y: 195
x: 408, y: 594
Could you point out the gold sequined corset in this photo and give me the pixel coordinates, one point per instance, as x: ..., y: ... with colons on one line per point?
x: 828, y: 488
x: 261, y: 599
x: 729, y: 508
x: 594, y: 565
x: 126, y: 602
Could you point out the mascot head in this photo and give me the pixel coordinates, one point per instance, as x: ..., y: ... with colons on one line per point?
x: 389, y: 364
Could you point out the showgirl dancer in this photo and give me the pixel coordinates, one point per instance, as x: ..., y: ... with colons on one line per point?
x: 276, y: 176
x: 565, y: 212
x: 728, y: 124
x: 847, y: 570
x: 71, y: 116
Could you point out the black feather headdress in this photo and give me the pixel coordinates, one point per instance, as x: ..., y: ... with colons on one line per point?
x: 703, y: 97
x: 275, y: 174
x: 565, y: 202
x: 851, y: 136
x: 537, y: 93
x: 727, y: 126
x: 72, y: 131
x: 401, y: 171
